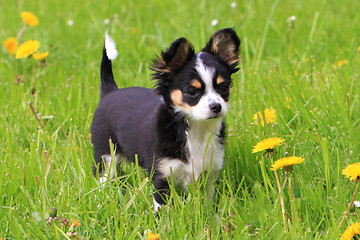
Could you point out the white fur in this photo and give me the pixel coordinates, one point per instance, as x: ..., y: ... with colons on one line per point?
x: 110, y: 47
x: 200, y: 159
x: 206, y: 73
x: 157, y: 205
x: 109, y: 170
x: 202, y: 109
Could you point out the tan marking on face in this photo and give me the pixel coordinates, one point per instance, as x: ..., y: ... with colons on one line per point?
x: 219, y: 80
x: 176, y: 97
x: 196, y: 84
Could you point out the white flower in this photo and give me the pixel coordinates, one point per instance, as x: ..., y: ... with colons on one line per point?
x: 214, y: 22
x: 291, y: 19
x: 357, y: 203
x: 106, y: 21
x: 70, y: 22
x: 233, y: 5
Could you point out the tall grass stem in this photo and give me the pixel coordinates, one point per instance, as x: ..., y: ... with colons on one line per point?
x: 281, y: 200
x: 351, y: 203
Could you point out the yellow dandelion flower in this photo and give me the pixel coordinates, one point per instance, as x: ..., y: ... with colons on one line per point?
x: 270, y: 117
x: 41, y: 56
x: 308, y: 59
x: 352, y: 171
x: 76, y: 223
x: 29, y: 18
x: 286, y: 162
x: 287, y: 102
x: 258, y: 116
x: 351, y: 231
x: 27, y: 48
x: 10, y: 44
x: 342, y: 62
x: 358, y: 49
x: 133, y: 30
x: 72, y: 228
x: 152, y: 236
x: 268, y: 144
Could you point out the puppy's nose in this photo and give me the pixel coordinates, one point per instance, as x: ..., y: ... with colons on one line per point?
x: 215, y: 107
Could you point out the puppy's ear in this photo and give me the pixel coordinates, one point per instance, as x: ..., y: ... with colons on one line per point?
x: 224, y: 44
x: 174, y: 58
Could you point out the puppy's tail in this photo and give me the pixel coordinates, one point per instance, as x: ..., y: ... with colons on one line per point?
x: 106, y: 74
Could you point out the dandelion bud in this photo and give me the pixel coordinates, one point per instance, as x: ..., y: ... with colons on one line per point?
x: 53, y: 212
x: 250, y: 228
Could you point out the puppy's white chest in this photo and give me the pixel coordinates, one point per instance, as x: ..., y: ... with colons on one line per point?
x: 205, y: 154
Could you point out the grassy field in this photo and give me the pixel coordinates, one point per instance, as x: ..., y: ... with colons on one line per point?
x: 306, y: 69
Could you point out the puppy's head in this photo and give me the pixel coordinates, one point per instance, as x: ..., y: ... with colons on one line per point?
x: 198, y: 85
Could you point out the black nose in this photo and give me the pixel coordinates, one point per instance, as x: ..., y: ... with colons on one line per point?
x: 215, y: 107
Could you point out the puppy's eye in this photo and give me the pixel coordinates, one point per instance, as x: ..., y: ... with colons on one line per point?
x: 193, y: 92
x: 224, y: 88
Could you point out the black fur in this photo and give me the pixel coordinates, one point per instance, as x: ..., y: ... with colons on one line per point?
x: 222, y: 51
x: 144, y: 122
x: 106, y: 75
x: 169, y: 65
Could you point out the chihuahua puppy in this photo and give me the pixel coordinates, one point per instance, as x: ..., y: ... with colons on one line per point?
x: 177, y: 129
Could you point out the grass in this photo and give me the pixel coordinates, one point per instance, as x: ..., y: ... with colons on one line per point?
x: 294, y: 68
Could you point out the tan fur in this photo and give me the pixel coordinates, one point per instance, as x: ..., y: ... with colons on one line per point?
x: 161, y: 66
x: 233, y: 61
x: 176, y: 97
x: 219, y: 80
x: 214, y: 47
x: 196, y: 84
x: 230, y: 53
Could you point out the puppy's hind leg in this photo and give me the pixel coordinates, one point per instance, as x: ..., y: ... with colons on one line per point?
x: 110, y: 165
x: 108, y: 170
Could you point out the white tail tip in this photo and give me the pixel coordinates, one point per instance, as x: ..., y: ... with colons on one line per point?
x: 110, y: 47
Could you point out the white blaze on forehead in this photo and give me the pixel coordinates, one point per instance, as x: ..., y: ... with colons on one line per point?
x: 206, y: 73
x: 202, y: 109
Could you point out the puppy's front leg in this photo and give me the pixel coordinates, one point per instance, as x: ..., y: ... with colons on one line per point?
x: 209, y: 187
x: 162, y: 191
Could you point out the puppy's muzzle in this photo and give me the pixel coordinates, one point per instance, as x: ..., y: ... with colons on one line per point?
x: 215, y: 107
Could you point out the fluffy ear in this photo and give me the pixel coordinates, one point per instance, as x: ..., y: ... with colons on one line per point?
x: 173, y: 58
x: 224, y: 44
